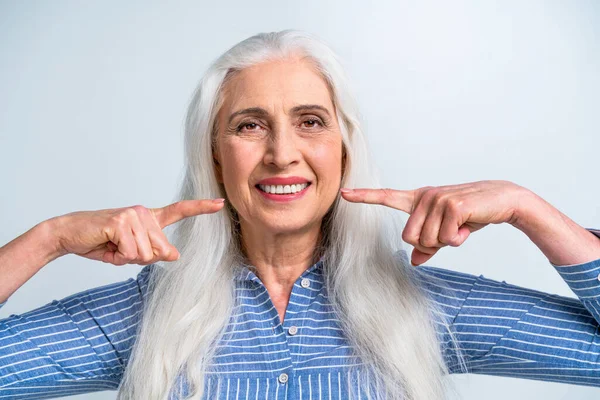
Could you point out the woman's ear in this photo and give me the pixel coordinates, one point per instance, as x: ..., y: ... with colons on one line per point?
x: 343, y: 162
x: 217, y: 167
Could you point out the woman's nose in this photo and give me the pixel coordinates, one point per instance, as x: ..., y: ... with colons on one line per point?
x: 282, y: 149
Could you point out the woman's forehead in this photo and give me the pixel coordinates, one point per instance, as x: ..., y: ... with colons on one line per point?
x: 275, y: 84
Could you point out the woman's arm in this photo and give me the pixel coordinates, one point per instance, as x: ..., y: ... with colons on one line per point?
x: 77, y: 345
x: 82, y: 343
x: 23, y: 257
x: 446, y: 216
x: 119, y: 236
x: 561, y: 240
x: 507, y: 330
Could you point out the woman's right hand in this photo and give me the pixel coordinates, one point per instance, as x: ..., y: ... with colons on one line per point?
x: 128, y: 235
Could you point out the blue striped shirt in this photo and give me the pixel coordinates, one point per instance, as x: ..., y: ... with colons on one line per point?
x: 82, y: 343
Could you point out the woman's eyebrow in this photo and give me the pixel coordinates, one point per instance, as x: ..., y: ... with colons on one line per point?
x: 309, y: 107
x: 252, y: 110
x: 263, y: 113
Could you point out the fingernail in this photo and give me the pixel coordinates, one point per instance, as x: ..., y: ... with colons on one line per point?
x: 218, y: 201
x: 344, y: 190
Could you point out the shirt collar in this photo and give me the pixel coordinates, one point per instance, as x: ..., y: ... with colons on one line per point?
x: 246, y: 273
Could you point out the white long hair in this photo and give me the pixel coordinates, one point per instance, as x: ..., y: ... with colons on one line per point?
x: 388, y: 320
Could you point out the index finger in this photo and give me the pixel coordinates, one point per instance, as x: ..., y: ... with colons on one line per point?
x: 399, y: 199
x: 185, y: 208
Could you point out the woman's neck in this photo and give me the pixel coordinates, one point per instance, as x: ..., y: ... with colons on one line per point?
x: 280, y: 259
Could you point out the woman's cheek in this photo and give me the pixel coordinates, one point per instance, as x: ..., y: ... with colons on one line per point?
x: 327, y: 160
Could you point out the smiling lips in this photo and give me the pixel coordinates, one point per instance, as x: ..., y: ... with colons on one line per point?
x: 283, y: 189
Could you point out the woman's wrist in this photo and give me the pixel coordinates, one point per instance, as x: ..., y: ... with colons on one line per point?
x: 562, y: 241
x: 47, y: 236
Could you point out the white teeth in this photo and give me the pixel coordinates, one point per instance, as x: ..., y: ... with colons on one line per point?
x: 283, y: 189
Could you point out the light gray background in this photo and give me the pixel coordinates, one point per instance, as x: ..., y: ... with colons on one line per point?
x: 93, y: 96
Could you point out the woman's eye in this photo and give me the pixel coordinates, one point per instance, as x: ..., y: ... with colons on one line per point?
x: 248, y: 126
x: 311, y: 123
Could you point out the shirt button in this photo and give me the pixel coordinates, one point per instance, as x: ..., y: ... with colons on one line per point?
x: 293, y: 330
x: 283, y: 378
x: 599, y: 277
x: 305, y: 283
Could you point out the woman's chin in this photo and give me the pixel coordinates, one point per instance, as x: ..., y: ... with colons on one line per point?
x: 289, y: 227
x: 265, y: 223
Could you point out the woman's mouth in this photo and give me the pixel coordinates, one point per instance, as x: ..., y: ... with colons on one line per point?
x: 283, y: 192
x: 283, y: 189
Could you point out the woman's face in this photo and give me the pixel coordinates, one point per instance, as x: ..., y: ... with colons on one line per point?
x: 279, y: 146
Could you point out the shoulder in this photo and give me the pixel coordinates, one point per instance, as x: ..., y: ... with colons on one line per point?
x: 451, y: 289
x: 445, y: 287
x: 113, y: 297
x: 432, y: 276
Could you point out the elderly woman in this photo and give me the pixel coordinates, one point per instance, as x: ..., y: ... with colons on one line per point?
x: 290, y: 284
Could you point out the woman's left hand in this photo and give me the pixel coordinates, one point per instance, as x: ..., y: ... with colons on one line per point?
x: 446, y: 215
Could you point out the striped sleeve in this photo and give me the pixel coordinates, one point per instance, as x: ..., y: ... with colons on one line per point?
x: 79, y: 344
x: 584, y: 281
x: 507, y: 330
